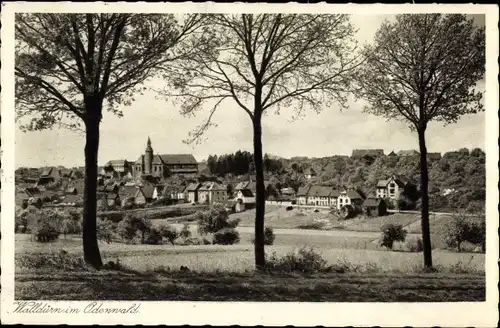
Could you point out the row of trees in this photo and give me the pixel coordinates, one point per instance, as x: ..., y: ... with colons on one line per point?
x: 241, y: 162
x: 69, y: 67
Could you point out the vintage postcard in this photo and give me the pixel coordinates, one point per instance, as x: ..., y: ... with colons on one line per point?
x: 249, y: 164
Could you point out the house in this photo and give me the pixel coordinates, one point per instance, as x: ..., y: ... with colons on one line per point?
x: 211, y: 192
x: 173, y: 192
x: 434, y: 156
x: 309, y: 173
x: 349, y: 197
x: 390, y: 188
x: 75, y: 175
x: 375, y: 206
x: 359, y: 153
x: 49, y: 176
x: 72, y: 200
x: 164, y: 165
x: 251, y: 186
x: 287, y: 193
x: 408, y: 153
x: 120, y: 167
x: 191, y: 192
x: 244, y: 200
x: 319, y: 195
x: 144, y: 194
x: 302, y: 195
x: 392, y: 154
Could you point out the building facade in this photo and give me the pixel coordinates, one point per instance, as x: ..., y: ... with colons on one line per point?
x: 165, y: 165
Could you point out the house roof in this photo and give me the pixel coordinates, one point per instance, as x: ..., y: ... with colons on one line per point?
x: 72, y: 199
x: 302, y: 191
x: 47, y: 171
x: 128, y: 191
x: 319, y: 191
x: 410, y: 152
x: 32, y: 191
x: 246, y: 192
x: 334, y: 193
x: 71, y: 190
x: 171, y: 159
x: 382, y: 183
x: 211, y: 186
x: 371, y: 202
x: 117, y: 162
x: 193, y: 187
x: 352, y: 194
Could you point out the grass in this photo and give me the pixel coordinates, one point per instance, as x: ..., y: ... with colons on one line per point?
x: 218, y: 285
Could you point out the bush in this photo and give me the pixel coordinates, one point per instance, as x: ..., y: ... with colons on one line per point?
x: 170, y: 233
x: 105, y: 230
x: 153, y: 237
x: 392, y: 233
x: 214, y: 220
x: 462, y: 228
x: 226, y: 236
x: 46, y: 229
x: 289, y: 208
x: 305, y: 260
x: 269, y: 236
x: 414, y: 245
x: 130, y: 226
x: 206, y: 241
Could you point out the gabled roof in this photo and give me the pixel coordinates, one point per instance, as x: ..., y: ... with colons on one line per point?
x: 171, y: 159
x: 302, y: 191
x: 72, y: 199
x: 147, y: 190
x: 334, y: 193
x: 211, y: 186
x: 352, y: 194
x: 382, y: 183
x: 117, y: 162
x: 193, y: 187
x: 246, y: 192
x: 409, y: 152
x: 319, y: 191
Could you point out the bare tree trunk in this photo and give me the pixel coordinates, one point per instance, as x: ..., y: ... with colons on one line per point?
x: 424, y: 191
x: 260, y: 201
x: 90, y: 246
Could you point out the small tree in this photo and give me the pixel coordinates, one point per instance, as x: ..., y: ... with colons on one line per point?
x: 423, y: 68
x: 105, y: 230
x: 463, y: 228
x: 215, y: 219
x: 186, y: 231
x: 392, y: 233
x: 170, y: 233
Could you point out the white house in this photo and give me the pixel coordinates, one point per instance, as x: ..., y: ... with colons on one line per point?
x: 302, y: 195
x: 390, y: 188
x: 211, y: 192
x: 349, y: 197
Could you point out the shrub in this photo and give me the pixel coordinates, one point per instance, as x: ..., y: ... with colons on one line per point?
x: 214, y: 220
x: 289, y: 208
x: 462, y: 228
x: 153, y: 236
x: 105, y: 230
x: 305, y: 260
x: 170, y: 233
x: 414, y: 245
x: 269, y: 236
x: 392, y: 233
x: 130, y: 226
x: 206, y: 241
x: 61, y: 260
x: 226, y: 236
x: 46, y: 229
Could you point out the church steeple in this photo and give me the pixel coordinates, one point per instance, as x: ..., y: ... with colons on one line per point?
x: 148, y: 158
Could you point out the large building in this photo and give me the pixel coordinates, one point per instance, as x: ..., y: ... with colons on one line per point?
x: 164, y: 165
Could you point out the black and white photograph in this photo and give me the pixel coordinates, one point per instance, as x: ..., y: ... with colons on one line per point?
x: 223, y: 160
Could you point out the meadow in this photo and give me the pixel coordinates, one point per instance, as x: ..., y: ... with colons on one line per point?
x: 364, y: 271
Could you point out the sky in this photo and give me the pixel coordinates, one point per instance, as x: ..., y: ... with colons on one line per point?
x: 331, y: 132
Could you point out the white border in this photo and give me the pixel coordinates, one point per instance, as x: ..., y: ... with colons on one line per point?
x: 482, y: 314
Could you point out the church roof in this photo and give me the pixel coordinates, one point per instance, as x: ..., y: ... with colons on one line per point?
x: 174, y: 159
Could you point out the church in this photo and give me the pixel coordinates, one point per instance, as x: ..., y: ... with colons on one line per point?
x: 165, y: 165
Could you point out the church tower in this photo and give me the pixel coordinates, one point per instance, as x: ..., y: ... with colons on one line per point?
x: 148, y: 158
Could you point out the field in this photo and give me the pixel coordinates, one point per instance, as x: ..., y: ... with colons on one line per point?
x: 217, y: 272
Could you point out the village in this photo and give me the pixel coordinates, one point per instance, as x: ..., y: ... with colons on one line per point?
x: 153, y: 180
